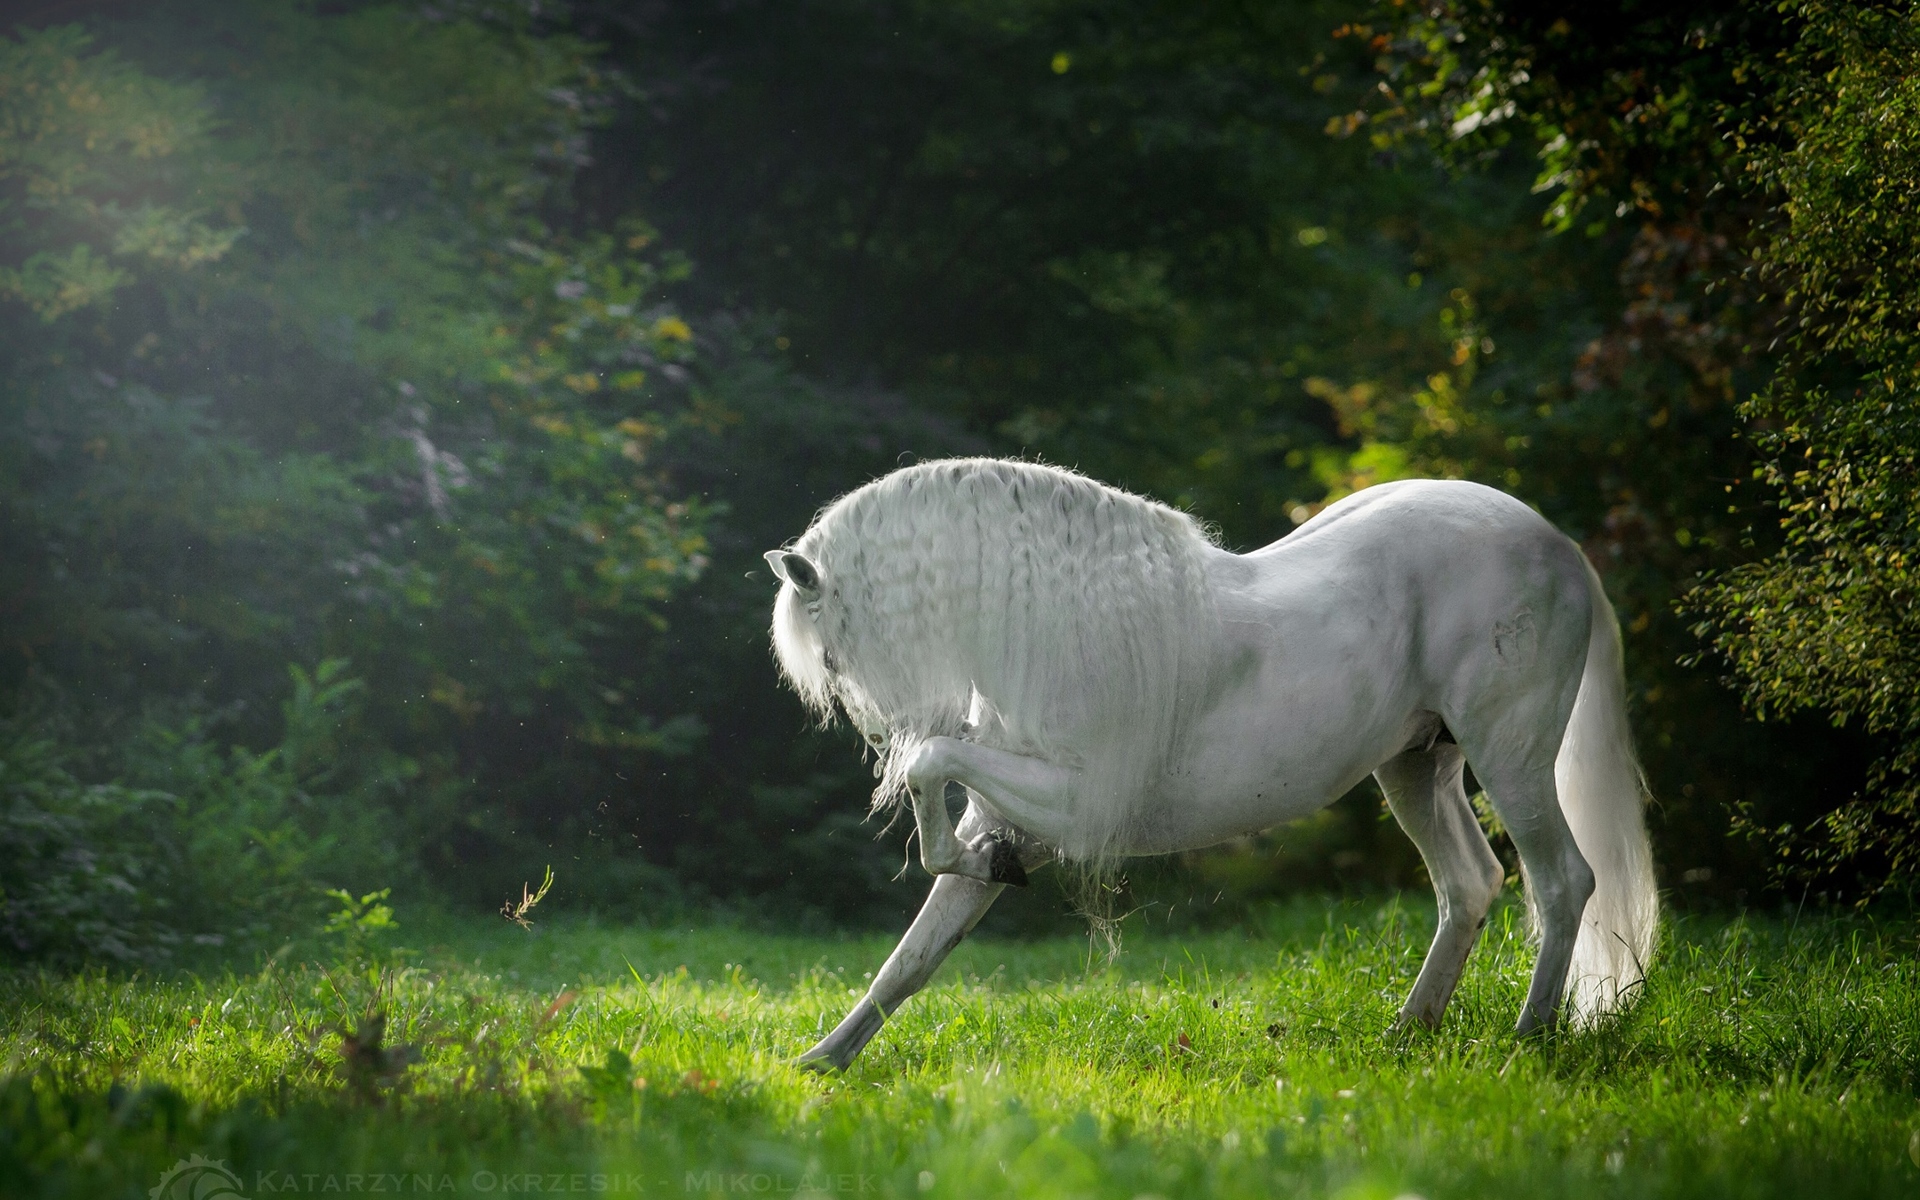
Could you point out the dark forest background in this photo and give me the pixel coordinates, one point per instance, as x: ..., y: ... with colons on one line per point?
x: 398, y: 399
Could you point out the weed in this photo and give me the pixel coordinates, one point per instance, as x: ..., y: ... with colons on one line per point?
x: 358, y: 925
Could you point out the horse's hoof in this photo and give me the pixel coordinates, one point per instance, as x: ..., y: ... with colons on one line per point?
x: 1531, y: 1028
x: 1004, y: 866
x: 1409, y: 1022
x: 817, y: 1062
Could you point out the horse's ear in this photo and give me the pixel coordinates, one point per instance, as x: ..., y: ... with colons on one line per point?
x: 795, y: 569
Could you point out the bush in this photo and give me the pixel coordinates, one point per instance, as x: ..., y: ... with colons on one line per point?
x: 75, y: 885
x: 191, y: 843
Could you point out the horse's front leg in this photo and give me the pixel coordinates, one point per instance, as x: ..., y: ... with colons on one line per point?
x: 1032, y: 795
x: 953, y: 908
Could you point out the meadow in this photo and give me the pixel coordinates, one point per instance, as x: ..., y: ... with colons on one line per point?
x: 1775, y: 1056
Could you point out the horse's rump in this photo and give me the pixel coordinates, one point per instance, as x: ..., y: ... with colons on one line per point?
x: 1018, y: 605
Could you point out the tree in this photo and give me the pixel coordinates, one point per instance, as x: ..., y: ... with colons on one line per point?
x: 1769, y: 140
x: 302, y: 368
x: 1831, y: 622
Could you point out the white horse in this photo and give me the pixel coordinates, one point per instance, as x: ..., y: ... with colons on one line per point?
x: 1106, y: 681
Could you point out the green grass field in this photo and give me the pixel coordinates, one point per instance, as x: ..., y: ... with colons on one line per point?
x: 1766, y: 1058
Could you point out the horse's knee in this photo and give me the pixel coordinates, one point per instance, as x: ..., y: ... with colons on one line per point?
x: 938, y: 860
x: 1491, y: 878
x: 931, y: 765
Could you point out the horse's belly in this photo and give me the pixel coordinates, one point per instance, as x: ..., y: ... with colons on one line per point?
x: 1249, y: 784
x: 1288, y: 734
x: 1188, y: 823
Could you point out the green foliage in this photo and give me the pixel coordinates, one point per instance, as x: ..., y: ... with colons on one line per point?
x: 1808, y: 112
x: 1131, y: 263
x: 358, y: 924
x: 198, y: 844
x: 1829, y: 622
x: 305, y: 364
x: 1647, y: 128
x: 85, y: 140
x: 76, y: 884
x: 1767, y: 1057
x: 1624, y: 106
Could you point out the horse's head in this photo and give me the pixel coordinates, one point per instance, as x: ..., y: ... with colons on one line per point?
x: 796, y: 569
x: 804, y: 655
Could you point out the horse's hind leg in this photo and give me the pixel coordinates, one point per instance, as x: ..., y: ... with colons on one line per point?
x: 1423, y: 789
x: 1559, y: 881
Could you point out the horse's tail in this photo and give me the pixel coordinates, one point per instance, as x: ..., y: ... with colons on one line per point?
x: 1603, y: 795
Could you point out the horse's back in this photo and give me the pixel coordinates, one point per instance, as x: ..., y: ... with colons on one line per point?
x: 1467, y: 511
x: 1473, y: 590
x: 1438, y: 532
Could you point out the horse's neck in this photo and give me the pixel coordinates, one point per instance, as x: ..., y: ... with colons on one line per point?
x: 1236, y: 581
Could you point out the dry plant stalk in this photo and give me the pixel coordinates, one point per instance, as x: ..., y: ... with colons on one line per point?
x: 517, y: 913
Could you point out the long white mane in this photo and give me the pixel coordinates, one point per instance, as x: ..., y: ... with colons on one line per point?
x: 1021, y: 606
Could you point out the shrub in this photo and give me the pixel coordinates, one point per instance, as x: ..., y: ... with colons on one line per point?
x: 191, y: 842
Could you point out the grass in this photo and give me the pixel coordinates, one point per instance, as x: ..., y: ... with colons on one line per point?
x: 1766, y: 1058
